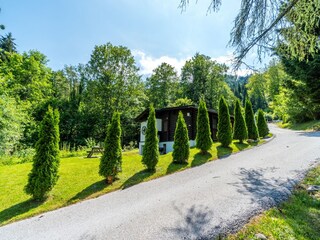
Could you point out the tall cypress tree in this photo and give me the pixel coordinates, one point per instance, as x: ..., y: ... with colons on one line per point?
x: 262, y: 124
x: 203, y: 138
x: 240, y: 131
x: 44, y: 173
x: 151, y: 146
x: 250, y: 121
x: 181, y: 141
x: 224, y: 133
x: 111, y: 160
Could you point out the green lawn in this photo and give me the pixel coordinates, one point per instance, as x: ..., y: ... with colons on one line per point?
x: 307, y: 126
x: 79, y: 179
x: 298, y: 218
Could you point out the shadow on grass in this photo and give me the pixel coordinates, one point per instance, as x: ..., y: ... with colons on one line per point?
x: 200, y: 159
x: 19, y: 209
x: 137, y: 178
x: 223, y: 152
x: 93, y: 188
x: 174, y: 167
x: 241, y: 146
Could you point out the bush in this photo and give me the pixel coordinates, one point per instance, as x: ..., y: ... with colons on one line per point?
x: 262, y: 124
x: 250, y: 122
x: 150, y: 155
x: 110, y: 163
x: 224, y: 133
x: 240, y: 131
x: 181, y: 141
x: 44, y: 173
x: 203, y: 138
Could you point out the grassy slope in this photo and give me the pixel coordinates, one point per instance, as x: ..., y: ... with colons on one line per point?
x: 298, y: 218
x: 308, y: 126
x: 79, y: 180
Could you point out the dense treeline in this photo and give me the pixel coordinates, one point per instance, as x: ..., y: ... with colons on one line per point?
x: 87, y: 95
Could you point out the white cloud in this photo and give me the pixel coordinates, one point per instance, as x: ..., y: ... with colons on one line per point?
x: 148, y: 63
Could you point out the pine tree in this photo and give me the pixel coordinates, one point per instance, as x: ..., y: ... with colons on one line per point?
x: 203, y: 138
x: 240, y: 131
x: 224, y: 133
x: 250, y: 121
x: 151, y: 146
x: 44, y: 173
x: 181, y: 141
x: 111, y: 160
x: 262, y: 124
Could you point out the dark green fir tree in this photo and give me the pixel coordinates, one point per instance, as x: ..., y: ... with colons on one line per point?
x: 250, y: 122
x: 224, y: 133
x: 111, y: 160
x: 150, y: 155
x: 44, y: 173
x: 181, y: 141
x: 203, y: 138
x: 240, y: 131
x: 262, y: 124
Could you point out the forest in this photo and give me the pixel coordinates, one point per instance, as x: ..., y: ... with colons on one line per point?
x: 87, y: 95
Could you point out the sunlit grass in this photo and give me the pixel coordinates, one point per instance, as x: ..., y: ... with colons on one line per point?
x: 306, y: 126
x: 79, y: 179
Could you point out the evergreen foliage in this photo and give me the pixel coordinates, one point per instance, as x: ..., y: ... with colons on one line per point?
x: 203, y: 138
x: 224, y: 133
x: 240, y: 131
x: 250, y: 121
x: 151, y: 147
x: 44, y: 173
x: 111, y: 160
x: 262, y: 124
x: 181, y: 141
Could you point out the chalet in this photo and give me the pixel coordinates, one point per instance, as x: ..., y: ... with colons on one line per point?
x: 166, y: 123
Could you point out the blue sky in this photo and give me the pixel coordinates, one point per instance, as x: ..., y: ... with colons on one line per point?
x: 155, y: 30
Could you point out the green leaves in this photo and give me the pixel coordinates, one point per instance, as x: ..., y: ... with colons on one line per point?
x: 250, y: 122
x: 181, y: 141
x: 203, y: 138
x: 111, y: 160
x: 224, y: 133
x: 240, y: 131
x: 262, y: 124
x: 150, y: 155
x: 44, y: 173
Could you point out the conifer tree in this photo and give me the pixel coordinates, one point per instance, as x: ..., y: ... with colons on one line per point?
x: 44, y: 173
x: 250, y: 121
x: 181, y: 141
x: 111, y: 160
x: 262, y: 124
x: 240, y: 131
x: 203, y: 138
x: 224, y: 133
x: 151, y: 146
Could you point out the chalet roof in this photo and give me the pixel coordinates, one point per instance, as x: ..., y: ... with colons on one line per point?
x: 144, y: 115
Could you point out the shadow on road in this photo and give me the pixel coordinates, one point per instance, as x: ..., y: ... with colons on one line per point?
x: 195, y: 222
x: 309, y: 134
x: 19, y: 209
x: 254, y: 182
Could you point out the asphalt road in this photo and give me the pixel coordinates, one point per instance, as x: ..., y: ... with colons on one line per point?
x: 198, y: 203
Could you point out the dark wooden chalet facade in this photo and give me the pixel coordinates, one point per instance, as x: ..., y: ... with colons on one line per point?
x: 166, y: 124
